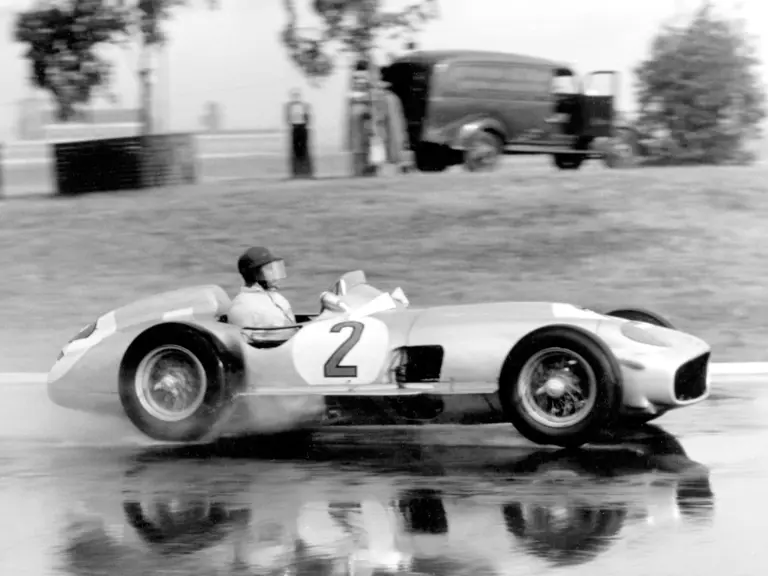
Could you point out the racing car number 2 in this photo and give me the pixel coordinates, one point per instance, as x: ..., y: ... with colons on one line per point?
x: 341, y: 351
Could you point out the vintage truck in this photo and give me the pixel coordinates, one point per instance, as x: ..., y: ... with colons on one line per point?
x: 471, y: 107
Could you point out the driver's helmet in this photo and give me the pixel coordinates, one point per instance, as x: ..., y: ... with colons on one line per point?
x: 258, y: 264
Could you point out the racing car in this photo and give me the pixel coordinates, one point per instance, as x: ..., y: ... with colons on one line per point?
x: 563, y: 374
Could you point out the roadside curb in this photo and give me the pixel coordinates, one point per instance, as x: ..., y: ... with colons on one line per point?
x: 739, y: 369
x: 23, y: 378
x: 717, y: 370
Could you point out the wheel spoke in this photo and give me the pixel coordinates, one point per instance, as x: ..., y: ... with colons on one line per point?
x: 170, y: 383
x: 557, y: 387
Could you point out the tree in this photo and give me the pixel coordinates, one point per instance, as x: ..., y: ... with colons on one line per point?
x: 63, y: 37
x: 148, y: 18
x: 700, y: 87
x: 351, y: 26
x: 62, y: 40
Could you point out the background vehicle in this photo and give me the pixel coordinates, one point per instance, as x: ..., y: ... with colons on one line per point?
x: 561, y: 374
x: 471, y: 107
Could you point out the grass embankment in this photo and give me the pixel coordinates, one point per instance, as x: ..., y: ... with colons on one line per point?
x: 689, y: 243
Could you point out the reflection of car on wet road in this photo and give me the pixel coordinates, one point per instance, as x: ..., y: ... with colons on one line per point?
x: 327, y: 514
x: 558, y: 372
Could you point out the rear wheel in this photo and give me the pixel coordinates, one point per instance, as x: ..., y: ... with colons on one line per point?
x: 561, y: 386
x: 173, y: 385
x: 483, y: 152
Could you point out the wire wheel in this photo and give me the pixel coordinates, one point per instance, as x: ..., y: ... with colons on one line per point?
x: 170, y: 383
x: 557, y: 387
x: 483, y: 152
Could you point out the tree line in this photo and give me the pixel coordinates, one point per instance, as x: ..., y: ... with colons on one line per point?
x: 699, y: 92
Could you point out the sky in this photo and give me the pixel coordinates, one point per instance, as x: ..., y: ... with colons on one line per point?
x: 233, y: 55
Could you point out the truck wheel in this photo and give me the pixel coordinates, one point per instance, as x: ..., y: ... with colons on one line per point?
x: 623, y: 150
x: 173, y: 385
x: 561, y: 386
x: 568, y: 161
x: 430, y: 158
x: 641, y: 315
x: 483, y: 152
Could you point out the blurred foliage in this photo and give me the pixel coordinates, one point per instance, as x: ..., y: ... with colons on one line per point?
x: 349, y: 26
x: 63, y: 37
x: 61, y: 43
x: 699, y: 92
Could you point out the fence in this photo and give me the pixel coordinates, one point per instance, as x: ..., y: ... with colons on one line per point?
x: 127, y: 163
x: 30, y: 168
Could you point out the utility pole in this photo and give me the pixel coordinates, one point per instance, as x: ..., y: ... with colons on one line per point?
x: 145, y: 87
x: 147, y: 17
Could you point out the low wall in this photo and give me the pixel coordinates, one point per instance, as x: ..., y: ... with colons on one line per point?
x: 128, y: 163
x: 29, y: 168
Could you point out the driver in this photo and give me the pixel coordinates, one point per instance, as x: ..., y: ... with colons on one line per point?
x: 259, y: 304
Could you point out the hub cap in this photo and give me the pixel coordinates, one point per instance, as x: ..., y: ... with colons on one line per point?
x: 557, y: 387
x: 170, y: 383
x: 483, y: 155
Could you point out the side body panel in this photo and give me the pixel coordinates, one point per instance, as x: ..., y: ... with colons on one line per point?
x: 478, y: 337
x: 92, y: 361
x: 511, y: 97
x: 301, y: 361
x: 87, y: 378
x: 203, y: 302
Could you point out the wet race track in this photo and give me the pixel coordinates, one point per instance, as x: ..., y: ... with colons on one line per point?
x: 686, y: 497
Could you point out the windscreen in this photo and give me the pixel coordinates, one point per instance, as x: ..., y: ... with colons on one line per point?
x: 274, y: 271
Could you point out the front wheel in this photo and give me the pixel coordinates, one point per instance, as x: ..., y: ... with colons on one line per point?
x: 568, y: 161
x: 430, y: 158
x: 173, y: 385
x: 623, y: 150
x: 561, y: 386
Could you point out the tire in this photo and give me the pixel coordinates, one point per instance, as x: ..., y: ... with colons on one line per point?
x: 196, y: 355
x: 623, y: 150
x: 568, y: 161
x: 641, y: 315
x: 584, y: 533
x: 430, y: 158
x: 483, y: 152
x: 594, y: 363
x: 195, y: 527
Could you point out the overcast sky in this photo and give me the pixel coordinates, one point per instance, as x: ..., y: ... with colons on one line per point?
x: 233, y: 56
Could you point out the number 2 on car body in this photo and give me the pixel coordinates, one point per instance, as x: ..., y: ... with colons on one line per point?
x: 342, y: 352
x: 333, y: 367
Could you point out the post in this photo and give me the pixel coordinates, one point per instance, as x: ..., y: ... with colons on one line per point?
x: 145, y: 87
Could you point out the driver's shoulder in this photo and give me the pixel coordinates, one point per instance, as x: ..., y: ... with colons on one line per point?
x: 249, y: 295
x: 277, y: 296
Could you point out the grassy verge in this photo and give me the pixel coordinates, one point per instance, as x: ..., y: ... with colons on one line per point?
x: 688, y: 243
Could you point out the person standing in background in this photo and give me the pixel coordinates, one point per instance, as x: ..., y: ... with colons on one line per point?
x: 392, y: 126
x: 297, y: 116
x: 359, y: 121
